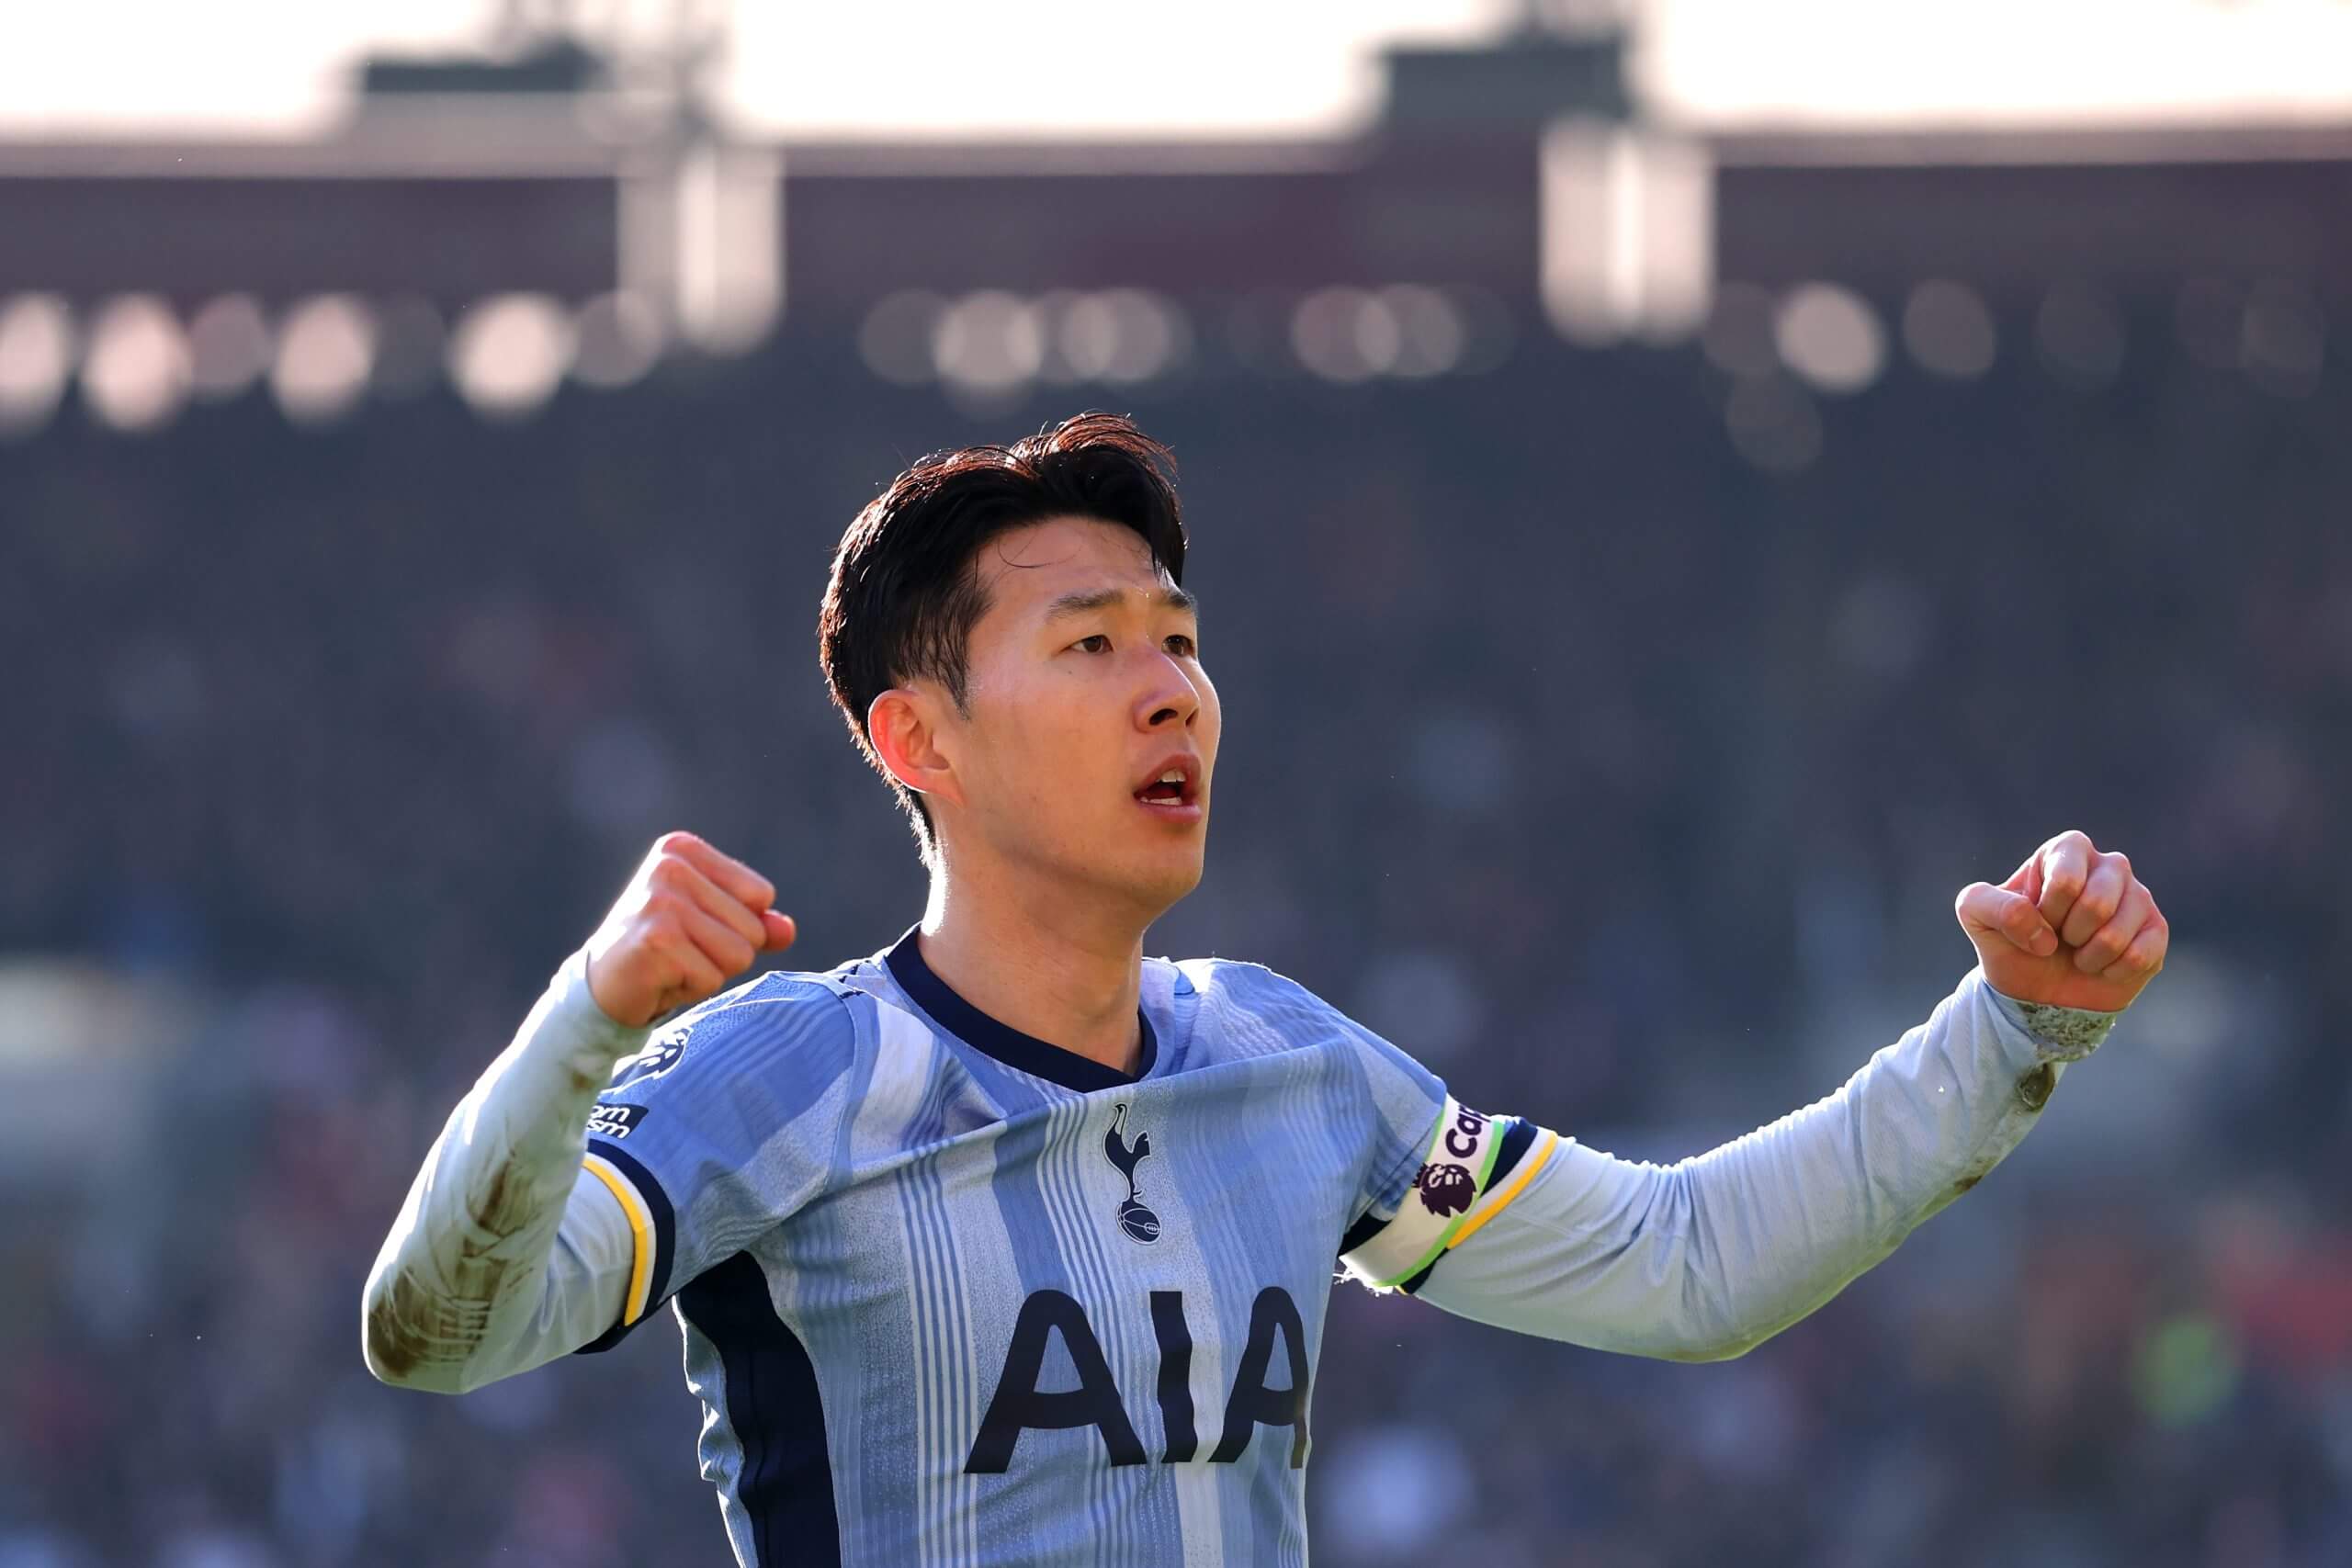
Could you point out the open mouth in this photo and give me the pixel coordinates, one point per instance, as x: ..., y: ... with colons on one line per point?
x: 1175, y: 784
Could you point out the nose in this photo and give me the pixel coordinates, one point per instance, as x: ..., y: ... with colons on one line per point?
x: 1168, y: 697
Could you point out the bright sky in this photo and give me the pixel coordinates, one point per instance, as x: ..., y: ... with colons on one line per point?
x: 1079, y: 67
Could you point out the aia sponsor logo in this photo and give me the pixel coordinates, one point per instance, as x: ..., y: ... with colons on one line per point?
x: 1276, y: 1346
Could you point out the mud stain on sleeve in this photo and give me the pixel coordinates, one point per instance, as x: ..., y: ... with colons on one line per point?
x: 415, y: 1323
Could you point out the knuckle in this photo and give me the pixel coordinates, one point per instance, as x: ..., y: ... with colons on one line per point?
x: 675, y: 840
x: 2121, y: 862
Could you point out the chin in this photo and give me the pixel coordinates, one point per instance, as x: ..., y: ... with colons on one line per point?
x: 1163, y: 885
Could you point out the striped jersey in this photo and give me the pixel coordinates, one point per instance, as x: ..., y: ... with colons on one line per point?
x: 954, y: 1296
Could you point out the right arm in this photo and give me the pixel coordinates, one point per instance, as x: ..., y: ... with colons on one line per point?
x: 515, y: 1244
x: 509, y: 1251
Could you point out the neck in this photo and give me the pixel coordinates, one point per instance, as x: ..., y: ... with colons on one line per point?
x: 1048, y: 960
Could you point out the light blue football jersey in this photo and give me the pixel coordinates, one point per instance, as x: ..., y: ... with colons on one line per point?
x: 954, y: 1296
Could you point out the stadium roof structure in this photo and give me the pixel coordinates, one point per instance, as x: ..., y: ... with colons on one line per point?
x: 517, y: 203
x: 1520, y: 176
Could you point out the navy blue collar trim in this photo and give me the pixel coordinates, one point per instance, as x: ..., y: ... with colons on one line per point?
x: 1006, y: 1043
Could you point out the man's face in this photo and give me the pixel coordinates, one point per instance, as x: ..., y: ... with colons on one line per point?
x: 1085, y: 687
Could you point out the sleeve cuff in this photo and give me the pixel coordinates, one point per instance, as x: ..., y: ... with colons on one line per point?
x: 2058, y: 1034
x: 574, y: 1009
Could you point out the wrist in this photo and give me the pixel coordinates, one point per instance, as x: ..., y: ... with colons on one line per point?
x: 2058, y: 1034
x: 577, y: 1011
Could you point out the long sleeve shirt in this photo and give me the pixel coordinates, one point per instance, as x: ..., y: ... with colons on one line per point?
x: 516, y: 1246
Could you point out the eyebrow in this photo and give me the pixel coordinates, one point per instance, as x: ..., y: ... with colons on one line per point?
x: 1111, y: 598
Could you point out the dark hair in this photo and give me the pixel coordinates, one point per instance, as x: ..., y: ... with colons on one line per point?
x: 905, y: 591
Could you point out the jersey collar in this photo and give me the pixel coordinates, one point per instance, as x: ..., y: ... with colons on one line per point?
x: 1038, y: 1057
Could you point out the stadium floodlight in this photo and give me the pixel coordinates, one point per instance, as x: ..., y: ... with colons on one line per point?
x: 510, y: 352
x: 229, y: 346
x: 618, y: 338
x: 988, y: 341
x: 324, y: 354
x: 895, y: 339
x: 1345, y: 334
x: 1121, y: 335
x: 1949, y: 331
x: 36, y: 357
x: 2283, y: 342
x: 136, y: 375
x: 1432, y: 335
x: 1830, y: 337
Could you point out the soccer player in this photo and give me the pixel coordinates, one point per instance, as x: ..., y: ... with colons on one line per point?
x: 1009, y: 1245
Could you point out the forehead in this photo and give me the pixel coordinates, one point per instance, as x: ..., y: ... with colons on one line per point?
x: 1023, y: 570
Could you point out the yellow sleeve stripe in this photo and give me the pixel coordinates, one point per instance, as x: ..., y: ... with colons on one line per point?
x: 1527, y: 1169
x: 640, y: 1230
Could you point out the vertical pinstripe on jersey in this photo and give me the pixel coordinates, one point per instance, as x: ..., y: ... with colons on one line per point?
x: 943, y: 1350
x: 926, y: 1190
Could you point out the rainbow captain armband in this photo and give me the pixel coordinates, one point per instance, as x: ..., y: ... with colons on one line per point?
x: 1465, y: 1180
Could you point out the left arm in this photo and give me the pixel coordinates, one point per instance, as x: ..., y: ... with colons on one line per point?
x: 1705, y: 1259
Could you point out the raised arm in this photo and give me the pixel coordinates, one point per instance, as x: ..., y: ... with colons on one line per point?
x: 1705, y: 1259
x: 513, y: 1248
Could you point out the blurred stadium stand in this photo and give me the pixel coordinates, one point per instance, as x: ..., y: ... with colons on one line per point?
x: 1648, y: 577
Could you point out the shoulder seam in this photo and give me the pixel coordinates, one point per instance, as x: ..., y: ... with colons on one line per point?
x: 693, y: 1021
x: 767, y: 1001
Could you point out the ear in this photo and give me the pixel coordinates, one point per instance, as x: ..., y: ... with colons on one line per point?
x: 902, y: 724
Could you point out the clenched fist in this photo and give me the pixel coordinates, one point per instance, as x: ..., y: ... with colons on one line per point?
x: 2071, y: 927
x: 690, y: 920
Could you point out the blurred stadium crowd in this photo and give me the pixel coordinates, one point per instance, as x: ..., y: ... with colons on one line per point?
x: 1622, y: 770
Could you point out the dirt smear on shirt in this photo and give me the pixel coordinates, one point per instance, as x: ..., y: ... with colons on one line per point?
x: 415, y: 1323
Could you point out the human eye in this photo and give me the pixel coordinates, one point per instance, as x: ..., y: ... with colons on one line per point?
x: 1098, y: 643
x: 1181, y: 645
